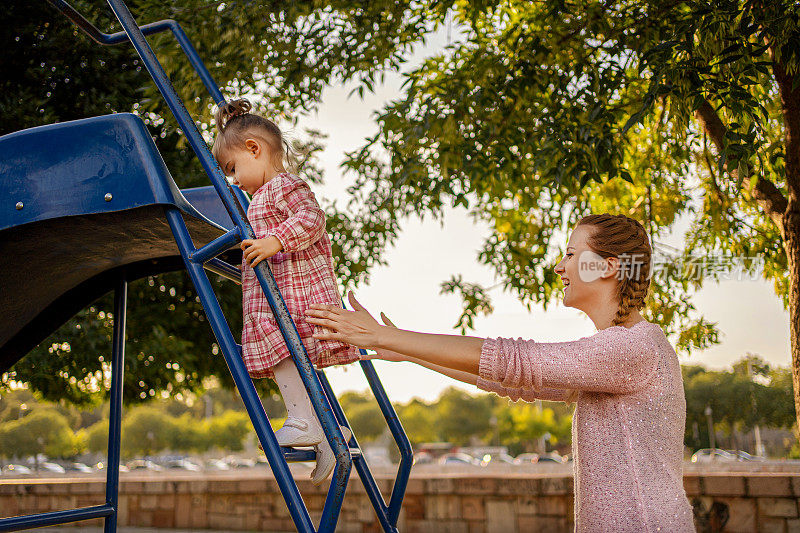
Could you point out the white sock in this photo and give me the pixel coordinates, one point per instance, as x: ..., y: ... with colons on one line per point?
x: 295, y: 396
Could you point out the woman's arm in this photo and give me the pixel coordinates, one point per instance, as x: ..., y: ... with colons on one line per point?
x: 389, y: 355
x: 458, y: 375
x: 613, y: 361
x: 553, y: 395
x: 358, y: 328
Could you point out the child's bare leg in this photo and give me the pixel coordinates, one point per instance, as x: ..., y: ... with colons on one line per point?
x: 301, y: 427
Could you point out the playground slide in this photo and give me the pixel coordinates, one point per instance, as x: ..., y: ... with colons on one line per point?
x: 81, y: 201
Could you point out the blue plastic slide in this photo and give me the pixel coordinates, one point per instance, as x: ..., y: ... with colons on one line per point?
x: 82, y: 200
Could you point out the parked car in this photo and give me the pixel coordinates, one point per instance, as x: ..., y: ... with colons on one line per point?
x: 551, y: 457
x: 122, y: 467
x: 182, y: 464
x: 458, y: 458
x: 78, y: 467
x: 144, y: 464
x: 744, y: 456
x: 216, y: 464
x: 527, y: 458
x: 708, y: 455
x: 497, y: 458
x: 17, y: 470
x: 423, y: 458
x: 53, y: 468
x: 238, y: 462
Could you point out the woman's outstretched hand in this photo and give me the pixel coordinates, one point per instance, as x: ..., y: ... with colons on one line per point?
x: 382, y: 354
x: 356, y: 327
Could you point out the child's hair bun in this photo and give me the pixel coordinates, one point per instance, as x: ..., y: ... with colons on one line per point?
x: 230, y: 110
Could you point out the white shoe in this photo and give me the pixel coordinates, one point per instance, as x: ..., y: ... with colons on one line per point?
x: 326, y: 459
x: 299, y: 432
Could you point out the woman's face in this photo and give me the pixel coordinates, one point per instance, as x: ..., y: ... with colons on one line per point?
x: 583, y: 272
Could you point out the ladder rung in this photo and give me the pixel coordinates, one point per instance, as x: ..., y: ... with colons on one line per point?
x: 56, y: 517
x: 299, y: 455
x: 226, y: 270
x: 216, y: 247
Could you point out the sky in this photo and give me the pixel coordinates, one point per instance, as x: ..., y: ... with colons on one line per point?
x: 748, y: 313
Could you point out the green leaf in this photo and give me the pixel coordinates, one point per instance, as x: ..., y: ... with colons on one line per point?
x: 729, y: 59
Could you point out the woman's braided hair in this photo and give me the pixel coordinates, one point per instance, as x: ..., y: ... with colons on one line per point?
x: 625, y: 238
x: 236, y: 124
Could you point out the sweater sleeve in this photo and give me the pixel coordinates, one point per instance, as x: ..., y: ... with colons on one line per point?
x: 551, y: 395
x: 305, y: 220
x: 612, y: 361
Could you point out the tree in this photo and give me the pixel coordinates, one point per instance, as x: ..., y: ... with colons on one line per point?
x: 149, y: 429
x: 540, y: 113
x: 146, y: 430
x: 419, y: 421
x: 300, y: 48
x: 228, y: 430
x: 14, y: 404
x: 461, y: 416
x: 44, y: 431
x: 520, y: 424
x: 364, y: 415
x: 738, y: 403
x: 96, y: 437
x: 536, y: 114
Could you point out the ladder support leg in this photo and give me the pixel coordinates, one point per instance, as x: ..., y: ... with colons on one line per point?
x: 362, y: 468
x: 400, y: 437
x: 115, y: 411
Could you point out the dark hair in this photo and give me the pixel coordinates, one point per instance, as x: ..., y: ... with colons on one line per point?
x: 625, y: 238
x: 236, y: 124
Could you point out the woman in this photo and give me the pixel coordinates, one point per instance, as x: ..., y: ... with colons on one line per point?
x: 626, y: 380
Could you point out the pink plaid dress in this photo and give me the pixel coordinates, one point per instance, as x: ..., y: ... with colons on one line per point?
x: 286, y: 208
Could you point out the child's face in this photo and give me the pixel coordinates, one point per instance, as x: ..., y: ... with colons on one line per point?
x: 249, y: 167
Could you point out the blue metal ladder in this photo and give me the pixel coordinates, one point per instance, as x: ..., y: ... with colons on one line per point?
x: 196, y: 261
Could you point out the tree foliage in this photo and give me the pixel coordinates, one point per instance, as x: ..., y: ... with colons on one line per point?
x: 149, y: 429
x: 44, y: 431
x: 536, y: 114
x: 464, y: 419
x: 540, y: 113
x: 739, y: 400
x: 364, y: 415
x: 295, y: 48
x: 521, y: 424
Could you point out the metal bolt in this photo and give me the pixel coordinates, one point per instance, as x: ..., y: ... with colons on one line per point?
x: 108, y: 197
x: 20, y: 205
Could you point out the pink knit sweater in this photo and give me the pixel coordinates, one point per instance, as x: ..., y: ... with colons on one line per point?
x: 627, y: 430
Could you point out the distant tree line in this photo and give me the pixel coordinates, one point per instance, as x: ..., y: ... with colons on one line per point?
x: 752, y: 393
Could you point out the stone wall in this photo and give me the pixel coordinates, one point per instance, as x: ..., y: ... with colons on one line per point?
x: 440, y: 503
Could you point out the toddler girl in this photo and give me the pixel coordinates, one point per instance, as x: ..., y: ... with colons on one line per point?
x: 290, y: 226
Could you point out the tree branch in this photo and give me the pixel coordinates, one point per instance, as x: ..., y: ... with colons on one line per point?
x: 790, y: 102
x: 766, y: 194
x: 723, y: 198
